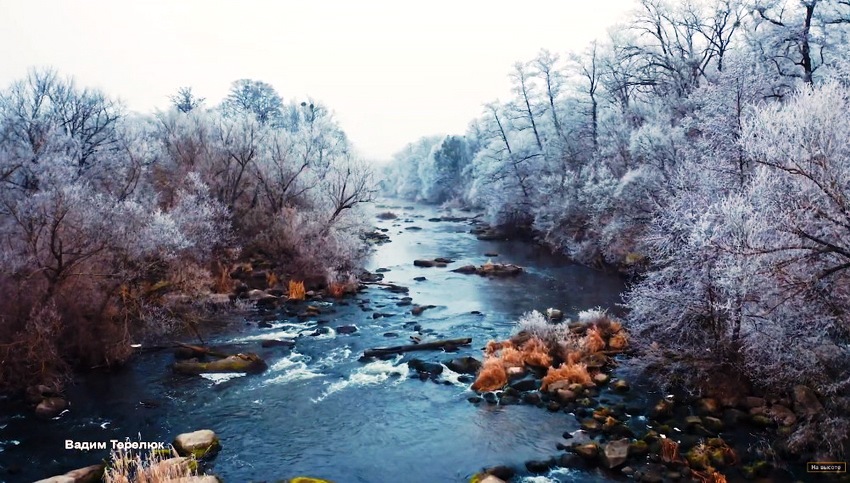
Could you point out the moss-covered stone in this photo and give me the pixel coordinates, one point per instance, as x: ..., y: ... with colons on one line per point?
x: 639, y: 448
x: 698, y: 458
x: 757, y: 469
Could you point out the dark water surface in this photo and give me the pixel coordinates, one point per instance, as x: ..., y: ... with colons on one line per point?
x: 318, y: 410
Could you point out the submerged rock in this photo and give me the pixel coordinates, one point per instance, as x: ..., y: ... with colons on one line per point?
x: 276, y: 343
x: 200, y: 444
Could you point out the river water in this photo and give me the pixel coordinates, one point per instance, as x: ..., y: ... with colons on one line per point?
x: 319, y: 410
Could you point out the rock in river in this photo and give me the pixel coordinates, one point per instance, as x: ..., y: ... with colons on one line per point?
x: 615, y: 453
x: 200, y: 444
x: 422, y: 367
x: 277, y: 343
x: 247, y: 363
x: 464, y: 365
x: 50, y: 407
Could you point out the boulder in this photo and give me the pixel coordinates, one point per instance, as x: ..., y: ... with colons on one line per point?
x: 418, y: 309
x: 89, y: 474
x: 615, y: 453
x: 708, y: 406
x: 587, y: 451
x: 500, y: 472
x: 424, y: 263
x: 750, y: 402
x: 50, y: 407
x: 466, y: 269
x: 782, y: 415
x: 539, y: 466
x: 464, y: 365
x: 806, y: 403
x: 276, y: 343
x: 499, y: 270
x: 247, y: 363
x: 423, y: 367
x: 180, y: 464
x: 34, y: 394
x: 526, y: 384
x: 200, y: 444
x: 346, y: 329
x: 485, y: 478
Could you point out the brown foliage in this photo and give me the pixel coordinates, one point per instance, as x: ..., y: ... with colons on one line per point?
x: 494, y: 346
x: 511, y: 357
x: 669, y: 450
x: 536, y: 353
x: 567, y: 372
x: 619, y: 341
x: 593, y: 341
x: 492, y: 375
x: 336, y: 289
x: 296, y: 290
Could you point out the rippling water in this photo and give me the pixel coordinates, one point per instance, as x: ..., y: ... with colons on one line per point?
x: 318, y: 410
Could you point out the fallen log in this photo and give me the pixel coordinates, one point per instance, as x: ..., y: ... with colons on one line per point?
x: 247, y: 363
x: 198, y: 350
x: 422, y: 346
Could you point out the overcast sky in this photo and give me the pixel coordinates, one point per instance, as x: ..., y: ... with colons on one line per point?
x: 393, y: 71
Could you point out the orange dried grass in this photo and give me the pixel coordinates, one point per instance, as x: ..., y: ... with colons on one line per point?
x: 296, y: 290
x: 495, y: 346
x: 492, y: 375
x: 336, y: 289
x: 619, y: 341
x: 511, y: 357
x: 535, y: 352
x: 669, y: 450
x: 271, y: 279
x: 593, y: 341
x: 567, y: 372
x: 709, y: 476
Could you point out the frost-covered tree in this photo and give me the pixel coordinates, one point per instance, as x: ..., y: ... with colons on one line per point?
x: 258, y: 98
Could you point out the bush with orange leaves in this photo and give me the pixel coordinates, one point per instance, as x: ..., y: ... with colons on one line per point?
x: 567, y: 372
x: 593, y: 341
x: 296, y: 290
x: 535, y: 352
x: 492, y: 375
x: 336, y: 289
x: 618, y: 341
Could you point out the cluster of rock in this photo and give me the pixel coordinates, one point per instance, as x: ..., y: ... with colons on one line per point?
x: 190, y: 448
x: 491, y: 269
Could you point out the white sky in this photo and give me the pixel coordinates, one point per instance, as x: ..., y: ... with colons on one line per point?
x: 393, y: 71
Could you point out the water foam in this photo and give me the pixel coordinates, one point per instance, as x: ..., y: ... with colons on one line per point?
x: 279, y: 331
x: 371, y: 374
x: 292, y: 368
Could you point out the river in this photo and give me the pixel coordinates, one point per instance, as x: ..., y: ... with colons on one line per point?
x: 319, y: 410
